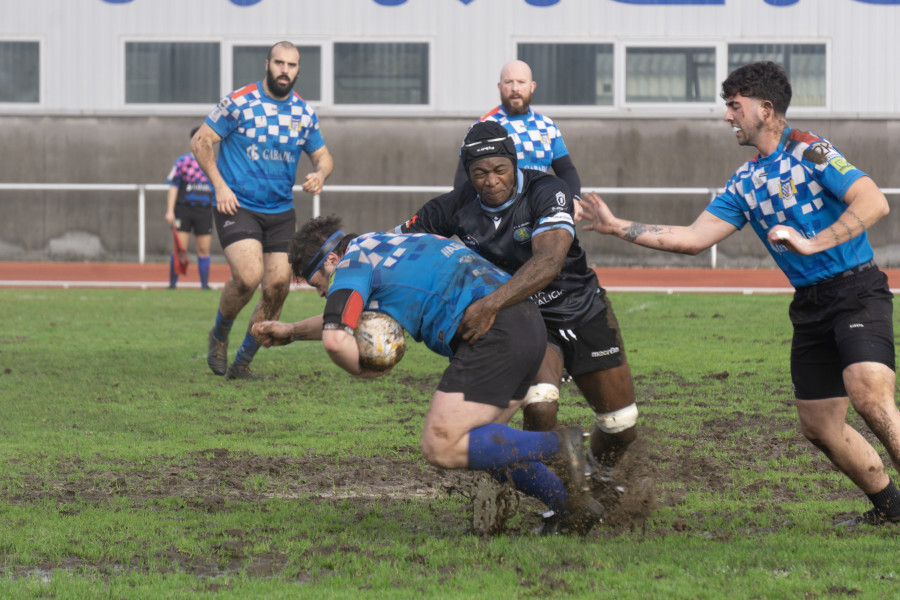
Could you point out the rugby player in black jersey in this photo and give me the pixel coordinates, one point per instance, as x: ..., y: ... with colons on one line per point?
x: 522, y: 221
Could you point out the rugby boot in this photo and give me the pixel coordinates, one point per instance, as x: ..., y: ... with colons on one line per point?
x: 570, y: 461
x: 241, y: 370
x: 217, y: 357
x: 872, y: 517
x: 578, y: 519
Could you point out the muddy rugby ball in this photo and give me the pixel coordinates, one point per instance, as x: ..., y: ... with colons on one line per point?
x: 381, y: 341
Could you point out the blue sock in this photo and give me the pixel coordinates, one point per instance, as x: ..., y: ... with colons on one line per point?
x: 536, y: 480
x: 173, y: 277
x: 496, y: 445
x: 203, y: 268
x: 223, y: 326
x: 247, y: 350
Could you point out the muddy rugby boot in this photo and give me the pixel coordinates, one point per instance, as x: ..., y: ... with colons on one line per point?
x: 571, y: 462
x: 872, y: 517
x: 217, y: 357
x: 241, y: 370
x: 579, y: 521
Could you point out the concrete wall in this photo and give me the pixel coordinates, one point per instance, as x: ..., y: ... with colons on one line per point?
x: 390, y: 151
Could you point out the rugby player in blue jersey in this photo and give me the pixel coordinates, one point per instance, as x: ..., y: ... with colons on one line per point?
x: 522, y: 221
x: 262, y: 129
x: 427, y: 283
x: 811, y: 208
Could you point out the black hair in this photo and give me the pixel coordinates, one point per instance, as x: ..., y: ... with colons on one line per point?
x: 763, y: 80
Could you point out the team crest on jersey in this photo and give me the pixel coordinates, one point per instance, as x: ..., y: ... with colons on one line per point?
x: 545, y: 139
x: 522, y: 234
x: 560, y: 198
x: 787, y: 189
x: 295, y: 124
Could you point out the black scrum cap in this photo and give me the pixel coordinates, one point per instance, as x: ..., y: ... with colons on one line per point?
x: 486, y: 139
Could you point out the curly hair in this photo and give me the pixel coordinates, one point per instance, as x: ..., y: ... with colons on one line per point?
x: 308, y: 240
x: 763, y: 80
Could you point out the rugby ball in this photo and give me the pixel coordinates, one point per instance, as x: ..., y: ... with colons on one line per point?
x: 381, y: 341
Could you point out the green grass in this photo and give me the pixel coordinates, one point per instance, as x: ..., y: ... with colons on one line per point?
x: 127, y: 470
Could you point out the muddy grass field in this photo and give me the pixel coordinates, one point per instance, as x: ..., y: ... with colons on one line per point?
x: 127, y: 466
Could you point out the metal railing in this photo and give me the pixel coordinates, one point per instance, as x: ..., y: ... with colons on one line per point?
x: 143, y: 188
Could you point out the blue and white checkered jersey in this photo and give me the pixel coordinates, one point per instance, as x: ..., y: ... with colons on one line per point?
x: 538, y: 140
x: 262, y: 139
x: 425, y: 282
x: 800, y: 185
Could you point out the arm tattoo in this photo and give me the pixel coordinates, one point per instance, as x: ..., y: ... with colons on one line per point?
x: 635, y: 230
x: 862, y: 224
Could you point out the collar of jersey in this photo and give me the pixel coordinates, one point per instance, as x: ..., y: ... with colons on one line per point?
x: 264, y: 95
x: 526, y: 117
x: 520, y: 181
x: 779, y: 150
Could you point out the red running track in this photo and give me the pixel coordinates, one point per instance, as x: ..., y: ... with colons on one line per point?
x: 156, y: 275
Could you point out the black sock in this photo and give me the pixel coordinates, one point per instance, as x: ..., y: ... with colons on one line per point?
x: 887, y: 501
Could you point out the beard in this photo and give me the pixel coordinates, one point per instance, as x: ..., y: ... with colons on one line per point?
x: 279, y: 87
x: 524, y: 103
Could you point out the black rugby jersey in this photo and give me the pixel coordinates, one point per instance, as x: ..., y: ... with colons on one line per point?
x: 503, y: 236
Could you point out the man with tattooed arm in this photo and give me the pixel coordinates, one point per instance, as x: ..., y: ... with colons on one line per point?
x: 811, y: 208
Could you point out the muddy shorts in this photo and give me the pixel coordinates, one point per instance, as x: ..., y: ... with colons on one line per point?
x: 193, y: 217
x: 841, y: 321
x: 594, y: 346
x: 273, y: 231
x: 500, y: 366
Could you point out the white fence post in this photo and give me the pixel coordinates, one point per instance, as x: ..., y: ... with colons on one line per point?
x: 142, y: 224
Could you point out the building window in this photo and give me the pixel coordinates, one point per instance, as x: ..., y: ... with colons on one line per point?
x: 172, y: 72
x: 571, y: 74
x: 380, y: 73
x: 670, y: 74
x: 249, y: 66
x: 20, y: 71
x: 804, y: 63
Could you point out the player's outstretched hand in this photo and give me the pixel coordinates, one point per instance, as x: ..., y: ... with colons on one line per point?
x: 273, y: 333
x: 577, y: 209
x: 597, y: 212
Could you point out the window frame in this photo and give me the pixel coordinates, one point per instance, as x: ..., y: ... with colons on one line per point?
x: 679, y: 107
x: 26, y: 107
x: 380, y: 109
x: 793, y: 109
x: 166, y: 108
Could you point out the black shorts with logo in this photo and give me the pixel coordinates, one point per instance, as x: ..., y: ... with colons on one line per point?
x: 500, y: 366
x: 193, y: 217
x: 841, y: 321
x: 594, y: 346
x: 273, y: 231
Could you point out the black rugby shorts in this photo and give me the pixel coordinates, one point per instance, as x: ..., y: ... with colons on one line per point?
x: 500, y: 366
x: 838, y: 322
x: 273, y: 231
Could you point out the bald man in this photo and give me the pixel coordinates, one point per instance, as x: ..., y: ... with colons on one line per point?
x: 539, y: 142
